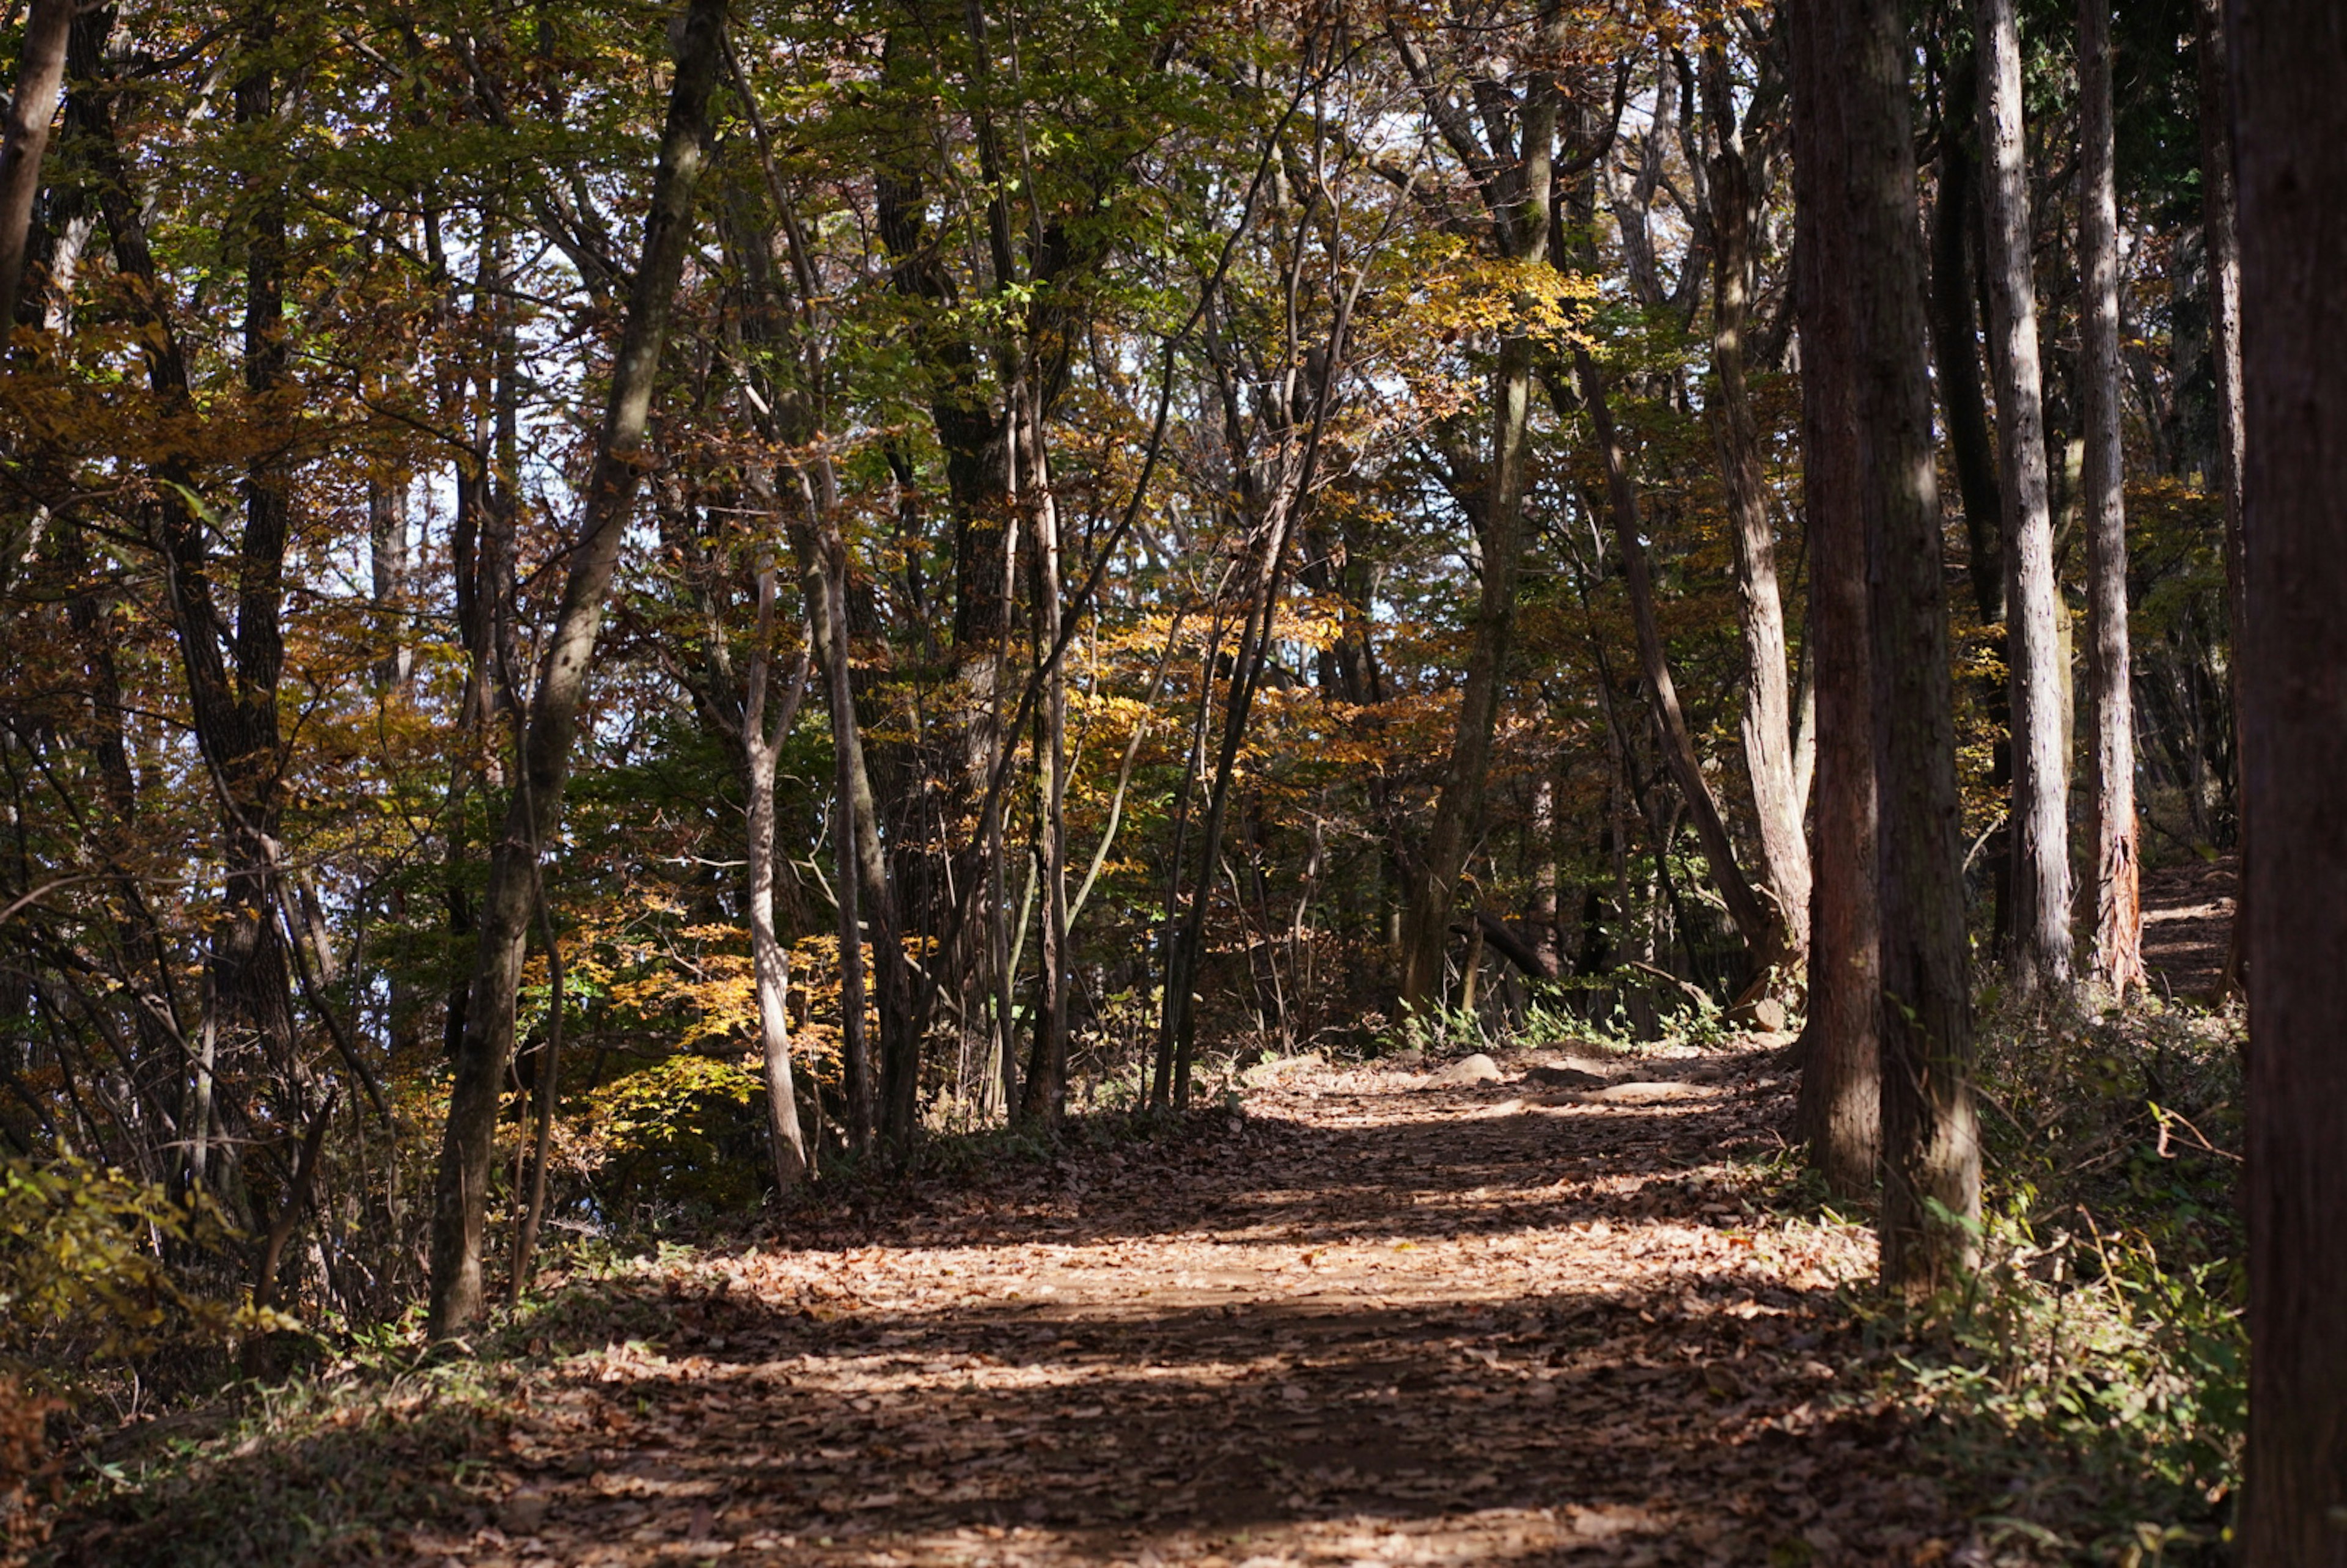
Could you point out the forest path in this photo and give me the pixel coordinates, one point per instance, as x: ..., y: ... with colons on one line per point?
x: 2187, y: 925
x: 1370, y: 1320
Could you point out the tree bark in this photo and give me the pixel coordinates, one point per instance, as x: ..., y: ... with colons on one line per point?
x: 1867, y: 298
x: 1840, y: 1114
x: 460, y: 1192
x: 25, y: 139
x: 1931, y: 1200
x: 2040, y: 829
x: 2118, y: 905
x: 2291, y: 127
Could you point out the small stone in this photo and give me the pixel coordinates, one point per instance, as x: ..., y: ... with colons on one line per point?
x: 1642, y: 1093
x: 1476, y: 1069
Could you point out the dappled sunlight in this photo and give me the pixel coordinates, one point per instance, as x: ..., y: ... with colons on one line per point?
x: 1366, y: 1321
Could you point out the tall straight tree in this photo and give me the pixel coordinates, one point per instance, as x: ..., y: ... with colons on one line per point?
x: 1840, y: 1097
x: 461, y: 1191
x: 2221, y: 245
x: 1852, y: 66
x: 2033, y: 649
x: 2289, y: 97
x: 2118, y: 905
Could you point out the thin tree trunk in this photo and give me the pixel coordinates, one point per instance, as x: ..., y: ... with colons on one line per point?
x: 1767, y: 724
x: 1047, y: 1079
x: 2041, y: 851
x: 1762, y: 931
x: 1523, y: 224
x: 2290, y: 127
x: 25, y: 139
x: 461, y: 1191
x: 1840, y: 1114
x: 1972, y: 443
x: 762, y: 743
x: 2222, y: 247
x: 2118, y: 905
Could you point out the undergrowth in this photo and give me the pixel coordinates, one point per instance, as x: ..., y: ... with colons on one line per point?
x: 2089, y: 1384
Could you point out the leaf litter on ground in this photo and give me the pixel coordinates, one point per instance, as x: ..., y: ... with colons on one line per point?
x: 1376, y: 1318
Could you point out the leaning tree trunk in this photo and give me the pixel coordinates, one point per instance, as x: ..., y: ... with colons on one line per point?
x: 2118, y: 905
x: 1841, y: 1111
x: 2040, y: 828
x: 40, y: 72
x: 1851, y: 66
x: 2291, y: 159
x: 1768, y: 727
x: 461, y: 1191
x: 1761, y: 928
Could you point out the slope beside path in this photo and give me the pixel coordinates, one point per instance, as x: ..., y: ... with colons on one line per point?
x: 1367, y: 1317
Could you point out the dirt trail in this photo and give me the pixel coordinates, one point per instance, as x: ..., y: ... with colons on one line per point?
x: 2187, y: 925
x: 1370, y: 1321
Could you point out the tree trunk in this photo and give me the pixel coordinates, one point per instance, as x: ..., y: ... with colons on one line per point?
x: 461, y: 1191
x: 1522, y: 220
x: 1767, y: 724
x: 1839, y: 1113
x: 1972, y: 443
x: 2290, y: 127
x: 1426, y: 927
x: 1047, y: 1079
x: 40, y: 73
x: 770, y: 961
x: 1931, y: 1138
x: 1760, y: 928
x: 2221, y: 245
x: 2118, y: 908
x: 2040, y: 828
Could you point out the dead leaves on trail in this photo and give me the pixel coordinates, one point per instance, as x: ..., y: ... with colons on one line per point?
x: 1373, y: 1321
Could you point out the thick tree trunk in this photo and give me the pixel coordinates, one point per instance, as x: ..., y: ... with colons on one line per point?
x: 1767, y: 724
x: 1931, y: 1138
x: 1840, y: 1114
x: 1866, y: 299
x: 461, y: 1191
x: 2040, y: 826
x: 2292, y: 159
x: 25, y: 139
x: 2119, y: 906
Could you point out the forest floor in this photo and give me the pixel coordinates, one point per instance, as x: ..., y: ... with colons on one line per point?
x: 2187, y: 925
x: 1362, y: 1315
